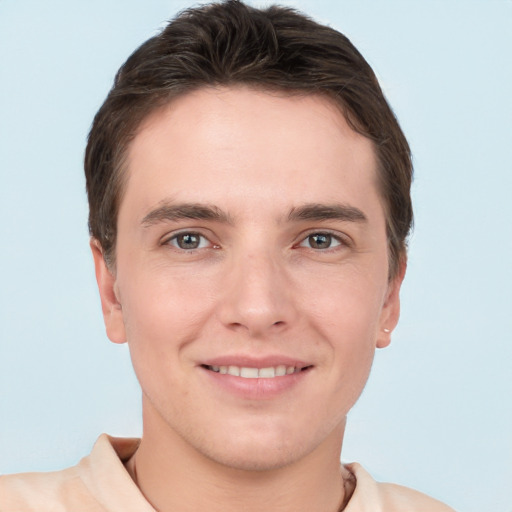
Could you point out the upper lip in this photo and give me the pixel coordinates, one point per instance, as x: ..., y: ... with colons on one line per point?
x: 255, y: 362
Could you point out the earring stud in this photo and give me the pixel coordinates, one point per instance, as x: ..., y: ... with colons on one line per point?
x: 387, y: 330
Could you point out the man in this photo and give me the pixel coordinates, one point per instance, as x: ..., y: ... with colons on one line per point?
x: 249, y: 206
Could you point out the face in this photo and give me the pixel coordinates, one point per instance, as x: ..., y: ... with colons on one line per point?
x: 251, y: 278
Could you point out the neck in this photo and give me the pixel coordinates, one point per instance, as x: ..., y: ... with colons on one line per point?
x: 172, y: 475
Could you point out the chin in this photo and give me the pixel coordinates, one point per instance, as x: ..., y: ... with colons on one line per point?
x: 261, y: 450
x: 254, y: 458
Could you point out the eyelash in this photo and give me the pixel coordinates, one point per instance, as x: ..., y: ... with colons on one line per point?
x: 173, y: 241
x: 338, y: 240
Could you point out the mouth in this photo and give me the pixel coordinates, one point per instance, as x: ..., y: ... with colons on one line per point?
x: 247, y: 372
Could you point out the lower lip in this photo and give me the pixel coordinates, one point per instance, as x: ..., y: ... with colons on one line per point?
x: 256, y: 389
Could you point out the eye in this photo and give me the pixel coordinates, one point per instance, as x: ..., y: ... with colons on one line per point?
x: 189, y: 241
x: 320, y: 241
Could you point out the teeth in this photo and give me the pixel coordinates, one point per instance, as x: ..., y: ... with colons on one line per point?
x: 234, y: 370
x: 249, y: 373
x: 280, y: 370
x: 255, y: 373
x: 267, y: 373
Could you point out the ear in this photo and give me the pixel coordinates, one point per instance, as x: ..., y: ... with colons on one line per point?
x: 391, y: 308
x: 110, y: 305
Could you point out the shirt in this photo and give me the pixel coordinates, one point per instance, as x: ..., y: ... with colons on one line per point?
x: 101, y: 483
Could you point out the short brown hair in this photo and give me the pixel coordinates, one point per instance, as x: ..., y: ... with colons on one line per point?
x: 230, y: 43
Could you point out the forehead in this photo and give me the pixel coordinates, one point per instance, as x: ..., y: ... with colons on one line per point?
x: 216, y: 143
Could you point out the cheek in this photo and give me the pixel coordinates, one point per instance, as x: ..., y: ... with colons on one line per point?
x: 347, y: 304
x: 162, y: 317
x: 162, y: 308
x: 346, y: 317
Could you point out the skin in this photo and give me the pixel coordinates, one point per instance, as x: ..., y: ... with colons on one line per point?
x: 256, y: 286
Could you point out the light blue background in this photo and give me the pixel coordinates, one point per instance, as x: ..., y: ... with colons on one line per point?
x: 436, y: 414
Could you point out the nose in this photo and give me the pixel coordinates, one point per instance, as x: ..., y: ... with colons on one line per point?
x: 258, y: 295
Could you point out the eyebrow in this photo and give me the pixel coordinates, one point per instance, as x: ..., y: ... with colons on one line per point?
x: 168, y: 211
x: 319, y: 212
x: 173, y: 212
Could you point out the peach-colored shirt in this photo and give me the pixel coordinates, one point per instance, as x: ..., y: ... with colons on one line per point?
x: 100, y: 483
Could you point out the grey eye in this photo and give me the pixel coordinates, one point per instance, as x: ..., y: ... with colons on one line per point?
x: 188, y: 241
x: 320, y: 241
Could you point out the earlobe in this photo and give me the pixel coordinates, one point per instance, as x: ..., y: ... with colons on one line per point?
x: 391, y: 309
x: 110, y: 305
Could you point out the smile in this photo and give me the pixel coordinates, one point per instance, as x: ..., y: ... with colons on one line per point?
x: 256, y: 373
